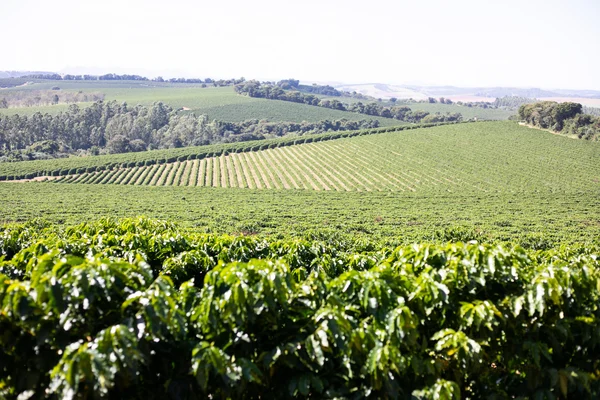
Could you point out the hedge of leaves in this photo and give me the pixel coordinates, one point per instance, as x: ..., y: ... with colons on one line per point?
x: 136, y: 309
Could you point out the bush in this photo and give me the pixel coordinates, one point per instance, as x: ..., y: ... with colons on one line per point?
x: 243, y: 317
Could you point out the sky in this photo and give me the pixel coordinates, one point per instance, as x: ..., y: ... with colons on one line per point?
x: 523, y: 43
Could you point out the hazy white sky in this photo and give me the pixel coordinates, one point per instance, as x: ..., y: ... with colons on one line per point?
x: 541, y: 43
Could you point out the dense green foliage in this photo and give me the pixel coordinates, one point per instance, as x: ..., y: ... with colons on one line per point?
x: 117, y: 128
x: 135, y: 309
x: 531, y: 219
x: 402, y: 113
x: 565, y: 118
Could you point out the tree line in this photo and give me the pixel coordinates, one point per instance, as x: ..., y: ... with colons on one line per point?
x: 567, y: 118
x: 277, y: 92
x: 109, y: 127
x: 36, y: 98
x: 127, y: 77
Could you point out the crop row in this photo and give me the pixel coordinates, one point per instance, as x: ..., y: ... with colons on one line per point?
x: 78, y: 165
x: 465, y: 158
x: 138, y: 309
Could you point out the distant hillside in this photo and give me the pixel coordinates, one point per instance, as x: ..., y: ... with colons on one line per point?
x: 17, y: 74
x: 383, y: 91
x: 517, y: 92
x: 417, y: 92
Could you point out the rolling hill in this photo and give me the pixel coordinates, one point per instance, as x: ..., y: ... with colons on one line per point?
x: 484, y: 157
x: 220, y: 103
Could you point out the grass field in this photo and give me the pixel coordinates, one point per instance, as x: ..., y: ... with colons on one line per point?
x: 463, y: 158
x: 220, y: 103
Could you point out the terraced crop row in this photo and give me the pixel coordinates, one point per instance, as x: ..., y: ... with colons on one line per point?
x: 464, y: 158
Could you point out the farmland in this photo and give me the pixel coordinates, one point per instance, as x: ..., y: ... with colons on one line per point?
x: 219, y: 103
x: 462, y: 158
x: 532, y: 219
x: 467, y: 112
x: 331, y: 265
x: 494, y: 181
x: 138, y: 308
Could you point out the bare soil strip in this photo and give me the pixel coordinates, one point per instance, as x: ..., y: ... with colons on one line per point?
x: 128, y: 176
x: 300, y: 168
x: 172, y: 172
x: 246, y: 171
x: 163, y: 176
x: 109, y: 177
x: 224, y: 172
x: 145, y: 171
x: 178, y: 173
x: 344, y: 165
x: 139, y: 171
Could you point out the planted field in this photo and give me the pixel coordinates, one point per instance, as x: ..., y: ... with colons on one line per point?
x: 433, y: 108
x: 220, y: 103
x: 139, y: 309
x: 72, y: 165
x: 463, y: 158
x: 538, y: 220
x: 467, y: 112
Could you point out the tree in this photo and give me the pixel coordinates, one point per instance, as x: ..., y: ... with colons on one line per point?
x: 118, y: 144
x: 563, y: 111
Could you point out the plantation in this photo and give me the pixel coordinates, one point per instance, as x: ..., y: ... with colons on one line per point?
x: 533, y: 220
x: 458, y: 261
x: 490, y: 157
x: 220, y: 103
x: 73, y: 165
x: 136, y: 309
x: 467, y: 112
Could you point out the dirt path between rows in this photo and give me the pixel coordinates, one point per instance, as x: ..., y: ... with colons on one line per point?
x: 548, y: 130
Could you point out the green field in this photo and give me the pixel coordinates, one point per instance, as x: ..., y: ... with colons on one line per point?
x: 463, y: 158
x: 533, y: 219
x: 220, y: 103
x: 139, y: 309
x: 467, y: 112
x: 403, y: 262
x: 71, y: 165
x: 433, y: 108
x: 497, y: 179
